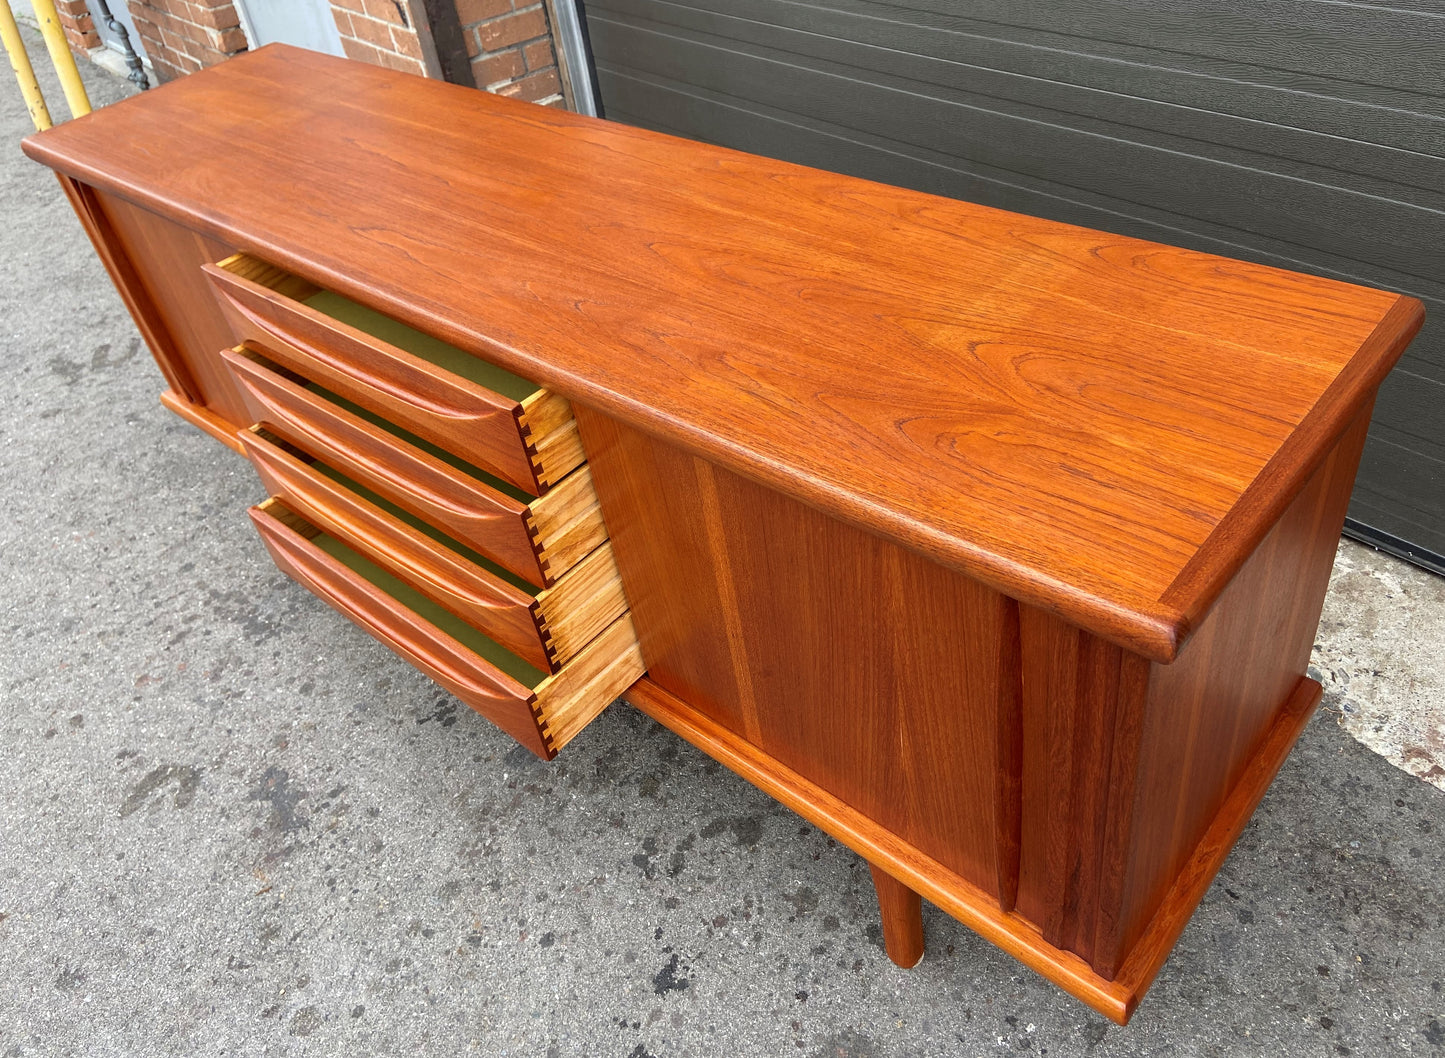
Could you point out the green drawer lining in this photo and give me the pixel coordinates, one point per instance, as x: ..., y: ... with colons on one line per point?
x: 491, y: 481
x: 432, y: 350
x: 424, y: 527
x: 448, y: 622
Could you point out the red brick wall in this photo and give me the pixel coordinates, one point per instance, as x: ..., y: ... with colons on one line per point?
x: 510, y: 44
x: 79, y: 27
x: 182, y: 36
x: 379, y: 32
x: 509, y: 41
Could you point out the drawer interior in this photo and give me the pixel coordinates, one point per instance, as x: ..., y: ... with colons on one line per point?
x: 568, y: 615
x: 419, y: 524
x: 452, y: 460
x: 506, y: 488
x: 504, y: 660
x: 424, y: 346
x: 526, y: 434
x: 543, y: 711
x: 343, y: 309
x: 540, y: 538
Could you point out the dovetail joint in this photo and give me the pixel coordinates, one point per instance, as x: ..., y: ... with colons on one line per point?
x: 529, y: 445
x: 543, y: 727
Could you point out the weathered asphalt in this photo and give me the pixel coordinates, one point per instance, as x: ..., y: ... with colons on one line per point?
x: 233, y: 824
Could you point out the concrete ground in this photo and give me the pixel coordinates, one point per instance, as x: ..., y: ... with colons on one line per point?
x: 233, y: 824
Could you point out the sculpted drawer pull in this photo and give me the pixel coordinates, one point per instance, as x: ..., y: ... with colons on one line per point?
x: 538, y: 539
x: 543, y: 712
x: 546, y: 628
x: 523, y: 434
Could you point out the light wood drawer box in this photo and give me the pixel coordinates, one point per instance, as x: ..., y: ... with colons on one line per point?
x: 538, y: 539
x: 504, y: 424
x: 543, y: 712
x: 545, y: 629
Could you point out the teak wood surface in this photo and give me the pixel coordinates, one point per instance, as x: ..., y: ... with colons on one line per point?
x: 901, y: 910
x: 1068, y: 798
x: 497, y: 696
x: 501, y: 611
x: 544, y: 717
x: 1097, y: 426
x: 449, y: 411
x: 546, y: 628
x: 539, y: 541
x: 993, y: 546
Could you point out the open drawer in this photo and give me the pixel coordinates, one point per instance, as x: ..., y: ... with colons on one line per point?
x: 545, y: 629
x: 538, y: 539
x: 523, y: 434
x: 543, y: 712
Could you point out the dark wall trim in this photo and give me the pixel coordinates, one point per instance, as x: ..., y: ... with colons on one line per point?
x: 1393, y: 545
x: 451, y: 46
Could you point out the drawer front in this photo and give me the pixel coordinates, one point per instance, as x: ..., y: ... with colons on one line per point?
x: 529, y: 442
x: 499, y: 610
x: 495, y: 524
x: 498, y: 697
x: 543, y: 717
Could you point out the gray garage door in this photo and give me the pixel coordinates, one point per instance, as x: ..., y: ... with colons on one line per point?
x: 1308, y: 134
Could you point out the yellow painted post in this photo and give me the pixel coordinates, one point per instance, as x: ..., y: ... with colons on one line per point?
x: 24, y: 72
x: 60, y: 56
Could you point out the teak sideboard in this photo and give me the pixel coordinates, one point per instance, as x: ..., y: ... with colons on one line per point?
x: 993, y: 546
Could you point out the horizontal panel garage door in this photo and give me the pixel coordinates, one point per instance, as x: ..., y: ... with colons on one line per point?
x: 1308, y: 134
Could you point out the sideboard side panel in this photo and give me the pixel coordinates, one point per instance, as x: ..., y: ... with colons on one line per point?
x: 1083, y: 698
x: 867, y: 669
x: 166, y: 260
x: 85, y: 200
x: 1207, y: 713
x: 674, y: 589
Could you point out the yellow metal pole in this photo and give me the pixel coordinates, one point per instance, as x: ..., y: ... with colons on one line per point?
x: 60, y: 56
x: 24, y: 72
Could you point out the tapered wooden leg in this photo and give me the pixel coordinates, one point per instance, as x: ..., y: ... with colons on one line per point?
x: 902, y: 911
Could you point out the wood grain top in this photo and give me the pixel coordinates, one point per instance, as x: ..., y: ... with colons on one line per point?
x: 1097, y: 425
